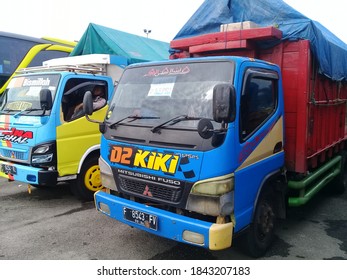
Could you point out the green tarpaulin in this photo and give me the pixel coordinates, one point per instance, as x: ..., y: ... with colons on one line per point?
x: 99, y: 39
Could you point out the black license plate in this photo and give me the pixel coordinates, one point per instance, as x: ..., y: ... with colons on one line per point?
x: 8, y: 169
x: 141, y: 218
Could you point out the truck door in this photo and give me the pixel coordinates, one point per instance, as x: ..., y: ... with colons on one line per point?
x: 260, y: 143
x: 76, y: 135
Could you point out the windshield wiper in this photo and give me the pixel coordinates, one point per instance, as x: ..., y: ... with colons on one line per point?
x: 7, y: 110
x: 133, y: 117
x: 26, y: 111
x: 173, y: 121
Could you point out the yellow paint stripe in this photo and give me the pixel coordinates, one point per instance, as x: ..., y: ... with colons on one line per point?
x: 266, y: 146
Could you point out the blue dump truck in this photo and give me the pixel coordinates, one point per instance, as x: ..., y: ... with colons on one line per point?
x: 220, y: 140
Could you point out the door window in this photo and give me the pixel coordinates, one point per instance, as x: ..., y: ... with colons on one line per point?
x: 74, y: 91
x: 258, y: 103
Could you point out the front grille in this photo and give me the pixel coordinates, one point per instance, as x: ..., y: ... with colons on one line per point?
x: 157, y: 192
x: 12, y: 155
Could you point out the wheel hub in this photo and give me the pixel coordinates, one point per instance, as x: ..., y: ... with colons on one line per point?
x: 92, y: 180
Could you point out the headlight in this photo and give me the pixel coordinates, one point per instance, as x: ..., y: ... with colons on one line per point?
x: 107, y: 178
x: 214, y: 186
x: 43, y: 155
x: 42, y: 158
x: 42, y: 149
x: 214, y: 197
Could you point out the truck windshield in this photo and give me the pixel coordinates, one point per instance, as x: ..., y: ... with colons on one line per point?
x: 151, y: 95
x: 23, y: 94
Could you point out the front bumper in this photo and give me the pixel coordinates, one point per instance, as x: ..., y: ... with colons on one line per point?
x: 28, y: 174
x: 170, y: 225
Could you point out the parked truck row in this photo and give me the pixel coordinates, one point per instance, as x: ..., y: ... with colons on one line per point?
x: 216, y: 141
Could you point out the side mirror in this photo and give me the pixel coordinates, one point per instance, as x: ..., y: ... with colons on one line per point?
x: 205, y: 128
x: 224, y: 103
x: 88, y: 108
x: 88, y: 103
x: 46, y: 101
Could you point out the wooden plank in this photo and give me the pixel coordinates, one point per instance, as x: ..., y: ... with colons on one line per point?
x: 256, y: 34
x: 240, y: 44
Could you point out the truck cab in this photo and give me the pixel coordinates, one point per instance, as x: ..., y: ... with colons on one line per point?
x: 42, y: 141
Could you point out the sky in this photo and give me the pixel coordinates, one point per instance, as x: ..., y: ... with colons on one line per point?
x: 68, y: 19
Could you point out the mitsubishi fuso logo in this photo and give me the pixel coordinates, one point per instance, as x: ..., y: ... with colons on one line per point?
x: 147, y: 192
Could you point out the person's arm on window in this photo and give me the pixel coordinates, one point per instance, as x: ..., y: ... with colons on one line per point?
x: 98, y: 103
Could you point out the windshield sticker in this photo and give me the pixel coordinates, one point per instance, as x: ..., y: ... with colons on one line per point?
x: 29, y: 82
x: 19, y: 105
x: 162, y: 86
x: 161, y: 90
x: 16, y: 82
x: 36, y: 82
x: 178, y: 70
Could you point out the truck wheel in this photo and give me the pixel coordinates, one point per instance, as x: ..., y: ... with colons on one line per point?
x: 88, y: 180
x: 339, y: 184
x: 262, y: 230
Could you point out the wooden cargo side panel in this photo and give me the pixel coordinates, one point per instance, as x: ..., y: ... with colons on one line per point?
x: 315, y: 107
x: 296, y: 71
x: 294, y: 61
x: 327, y: 119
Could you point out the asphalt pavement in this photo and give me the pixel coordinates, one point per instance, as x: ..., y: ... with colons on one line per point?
x: 51, y: 224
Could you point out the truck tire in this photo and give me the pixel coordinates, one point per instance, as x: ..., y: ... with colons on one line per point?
x: 261, y: 232
x: 339, y: 184
x: 88, y: 180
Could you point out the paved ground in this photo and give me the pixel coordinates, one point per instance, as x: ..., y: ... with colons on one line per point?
x: 52, y: 224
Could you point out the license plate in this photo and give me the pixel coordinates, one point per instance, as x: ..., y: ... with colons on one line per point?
x: 8, y: 169
x: 141, y: 218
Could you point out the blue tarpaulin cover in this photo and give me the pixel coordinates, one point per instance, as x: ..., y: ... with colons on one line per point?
x: 99, y: 39
x: 330, y: 51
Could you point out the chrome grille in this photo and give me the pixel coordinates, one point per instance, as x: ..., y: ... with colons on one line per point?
x: 158, y: 191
